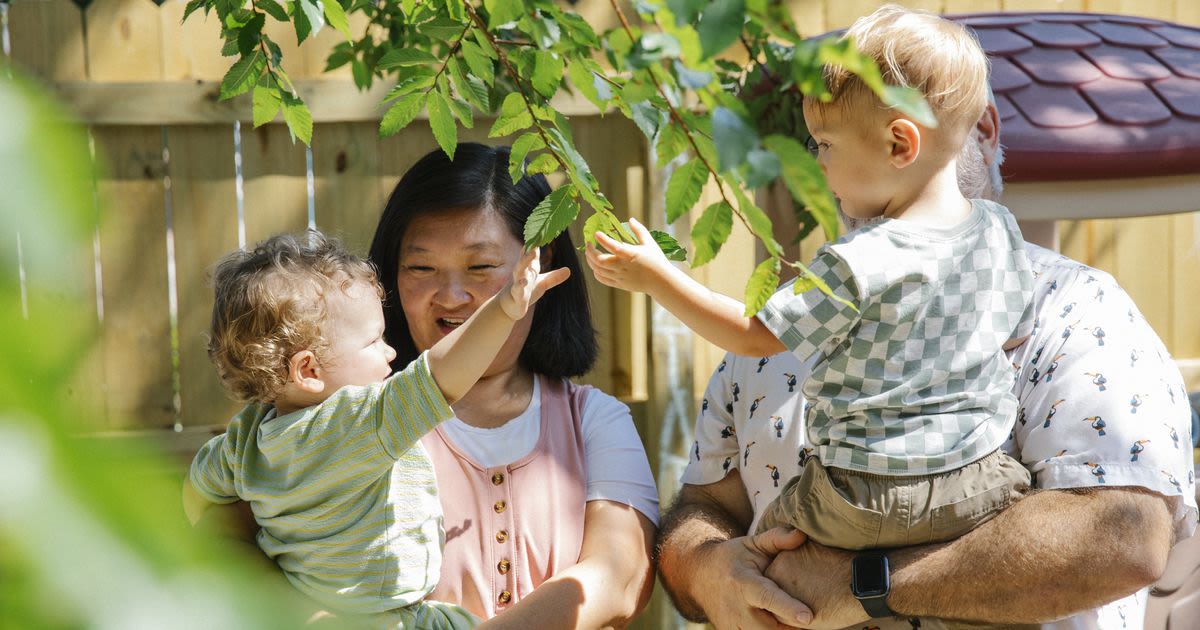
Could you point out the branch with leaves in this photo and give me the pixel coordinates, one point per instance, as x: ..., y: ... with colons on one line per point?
x: 738, y: 125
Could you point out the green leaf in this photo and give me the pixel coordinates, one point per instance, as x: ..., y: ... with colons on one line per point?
x: 196, y: 4
x: 759, y: 222
x: 648, y: 117
x: 503, y: 11
x: 521, y: 147
x: 336, y: 15
x: 803, y: 177
x: 543, y: 164
x: 361, y: 74
x: 299, y: 119
x: 579, y: 30
x: 671, y: 142
x: 684, y: 188
x: 551, y: 216
x: 401, y: 113
x: 688, y: 78
x: 910, y: 102
x: 513, y: 116
x: 584, y: 80
x: 762, y: 167
x: 547, y: 73
x: 711, y: 231
x: 733, y: 137
x: 420, y: 82
x: 400, y: 57
x: 275, y: 9
x: 462, y: 111
x: 479, y: 63
x: 468, y: 86
x: 315, y: 14
x: 761, y: 286
x: 299, y: 18
x: 244, y: 74
x: 605, y: 221
x: 720, y: 25
x: 807, y: 280
x: 340, y: 56
x: 267, y: 102
x: 251, y: 33
x: 669, y: 246
x: 441, y: 121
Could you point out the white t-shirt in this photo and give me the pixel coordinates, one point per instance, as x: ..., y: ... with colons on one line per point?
x: 617, y: 468
x: 1101, y: 403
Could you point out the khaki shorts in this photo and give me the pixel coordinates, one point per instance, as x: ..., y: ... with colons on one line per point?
x: 856, y: 510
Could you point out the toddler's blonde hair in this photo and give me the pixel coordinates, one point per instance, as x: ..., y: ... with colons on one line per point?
x: 939, y: 58
x: 271, y: 303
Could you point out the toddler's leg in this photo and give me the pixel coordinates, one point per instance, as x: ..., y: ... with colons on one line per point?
x: 431, y: 615
x: 963, y: 499
x: 833, y: 514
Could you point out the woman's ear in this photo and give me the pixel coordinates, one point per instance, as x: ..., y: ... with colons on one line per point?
x: 905, y: 140
x: 304, y: 371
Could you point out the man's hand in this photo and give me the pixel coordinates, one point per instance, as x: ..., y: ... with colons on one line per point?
x: 738, y: 593
x: 820, y: 577
x: 639, y: 267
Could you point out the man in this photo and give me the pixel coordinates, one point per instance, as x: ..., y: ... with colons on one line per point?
x: 1083, y: 545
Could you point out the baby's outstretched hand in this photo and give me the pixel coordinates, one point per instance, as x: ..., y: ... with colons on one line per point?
x: 528, y: 284
x: 638, y: 267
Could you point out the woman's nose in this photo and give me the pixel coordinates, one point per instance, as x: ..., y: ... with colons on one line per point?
x: 452, y: 293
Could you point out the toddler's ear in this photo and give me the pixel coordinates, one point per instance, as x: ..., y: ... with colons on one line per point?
x: 905, y: 138
x: 305, y: 372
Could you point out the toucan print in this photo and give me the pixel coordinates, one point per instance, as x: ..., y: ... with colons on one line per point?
x: 791, y: 382
x: 774, y: 474
x: 777, y: 424
x: 1097, y: 379
x: 1053, y: 410
x: 762, y: 362
x: 1137, y: 449
x: 1097, y: 423
x: 1097, y: 471
x: 754, y: 405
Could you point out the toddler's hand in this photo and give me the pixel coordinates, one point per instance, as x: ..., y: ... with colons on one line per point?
x: 639, y: 267
x: 528, y: 284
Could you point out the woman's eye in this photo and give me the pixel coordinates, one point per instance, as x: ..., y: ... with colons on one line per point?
x: 482, y: 267
x: 418, y: 268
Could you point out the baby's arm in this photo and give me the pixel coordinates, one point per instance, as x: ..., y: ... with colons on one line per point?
x: 718, y: 318
x: 459, y: 359
x: 194, y: 504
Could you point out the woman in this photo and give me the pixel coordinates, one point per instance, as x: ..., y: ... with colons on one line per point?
x: 549, y: 503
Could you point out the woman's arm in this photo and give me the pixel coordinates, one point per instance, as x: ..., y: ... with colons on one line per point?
x: 609, y: 585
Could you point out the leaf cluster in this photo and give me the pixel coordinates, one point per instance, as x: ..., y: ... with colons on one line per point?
x: 717, y: 124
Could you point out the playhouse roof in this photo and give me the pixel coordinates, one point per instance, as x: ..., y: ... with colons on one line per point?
x: 1093, y: 96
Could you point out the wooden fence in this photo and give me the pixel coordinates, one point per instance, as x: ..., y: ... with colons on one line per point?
x: 176, y: 194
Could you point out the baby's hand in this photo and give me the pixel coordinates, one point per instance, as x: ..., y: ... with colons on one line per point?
x: 639, y: 267
x: 528, y: 284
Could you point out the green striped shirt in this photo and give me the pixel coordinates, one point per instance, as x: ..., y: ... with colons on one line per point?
x: 344, y: 493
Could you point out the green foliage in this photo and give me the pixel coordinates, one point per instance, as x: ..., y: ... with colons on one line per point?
x: 551, y: 216
x: 92, y: 533
x: 738, y: 124
x: 762, y: 284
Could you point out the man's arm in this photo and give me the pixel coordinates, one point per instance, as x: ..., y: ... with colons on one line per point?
x: 714, y: 573
x: 1049, y: 555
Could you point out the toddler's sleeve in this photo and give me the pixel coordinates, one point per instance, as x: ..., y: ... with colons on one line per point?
x: 411, y: 405
x: 211, y: 473
x: 809, y: 321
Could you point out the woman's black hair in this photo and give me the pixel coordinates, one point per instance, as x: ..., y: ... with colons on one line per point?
x: 562, y: 340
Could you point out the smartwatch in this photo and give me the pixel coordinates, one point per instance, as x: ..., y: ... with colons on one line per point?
x: 870, y: 582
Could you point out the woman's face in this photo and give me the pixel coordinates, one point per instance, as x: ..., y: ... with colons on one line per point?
x: 450, y: 263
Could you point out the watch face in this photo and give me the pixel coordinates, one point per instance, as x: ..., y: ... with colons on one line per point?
x: 870, y: 576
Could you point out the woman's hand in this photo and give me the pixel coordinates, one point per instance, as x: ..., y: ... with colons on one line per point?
x: 641, y: 267
x: 528, y: 284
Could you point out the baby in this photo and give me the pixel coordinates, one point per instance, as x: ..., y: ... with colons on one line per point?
x: 910, y: 395
x: 326, y: 451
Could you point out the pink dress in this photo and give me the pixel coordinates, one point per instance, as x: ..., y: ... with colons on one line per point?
x: 510, y: 528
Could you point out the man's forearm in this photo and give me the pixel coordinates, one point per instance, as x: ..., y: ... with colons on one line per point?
x: 1051, y: 554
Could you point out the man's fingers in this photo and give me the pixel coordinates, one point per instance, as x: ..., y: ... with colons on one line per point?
x: 761, y: 592
x: 778, y: 539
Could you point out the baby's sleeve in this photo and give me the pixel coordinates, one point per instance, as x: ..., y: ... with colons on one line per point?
x: 411, y: 405
x: 212, y: 473
x: 811, y: 320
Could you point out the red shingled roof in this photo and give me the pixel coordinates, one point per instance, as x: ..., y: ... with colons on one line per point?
x: 1093, y: 96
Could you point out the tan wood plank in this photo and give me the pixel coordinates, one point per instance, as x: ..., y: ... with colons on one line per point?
x: 1185, y: 302
x: 972, y: 6
x: 350, y: 188
x: 124, y: 41
x: 1187, y: 12
x: 809, y: 16
x: 205, y: 225
x: 1160, y: 9
x: 136, y: 332
x: 1143, y: 266
x: 33, y: 23
x: 1043, y: 5
x: 192, y: 49
x: 1074, y: 240
x: 275, y: 181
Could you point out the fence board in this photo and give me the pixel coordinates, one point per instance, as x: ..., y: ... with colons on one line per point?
x: 136, y: 333
x: 1185, y: 299
x: 809, y: 16
x: 205, y: 224
x: 124, y: 41
x: 194, y: 47
x: 276, y: 186
x: 349, y: 185
x: 1143, y: 255
x: 1187, y: 12
x: 32, y: 23
x: 1043, y: 5
x: 971, y: 6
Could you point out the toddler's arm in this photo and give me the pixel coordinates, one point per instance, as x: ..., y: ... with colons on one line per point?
x: 460, y: 358
x: 194, y: 504
x: 718, y: 318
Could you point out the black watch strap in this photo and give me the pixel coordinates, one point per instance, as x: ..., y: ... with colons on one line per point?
x: 876, y: 607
